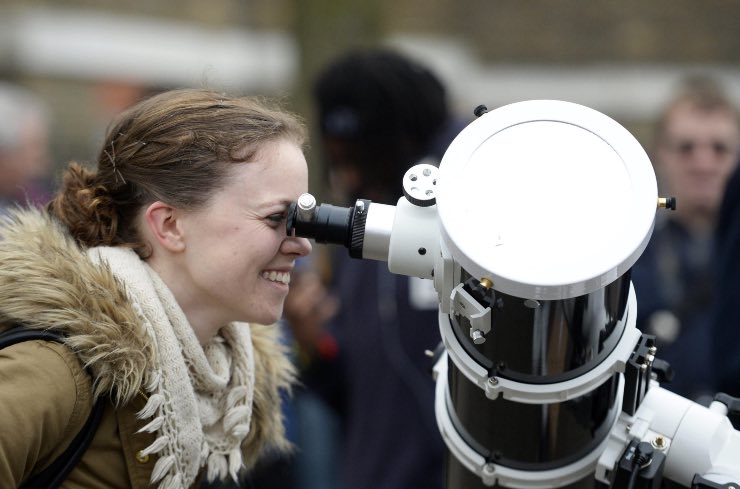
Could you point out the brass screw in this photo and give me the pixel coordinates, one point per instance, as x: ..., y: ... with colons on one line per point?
x: 659, y: 442
x: 485, y: 282
x: 667, y: 203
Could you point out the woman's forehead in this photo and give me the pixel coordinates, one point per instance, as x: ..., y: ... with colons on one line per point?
x: 277, y: 175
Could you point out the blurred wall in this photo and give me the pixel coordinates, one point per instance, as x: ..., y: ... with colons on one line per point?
x: 89, y: 59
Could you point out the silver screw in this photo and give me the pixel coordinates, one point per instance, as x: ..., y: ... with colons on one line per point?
x: 306, y: 201
x: 493, y: 381
x: 306, y: 207
x: 477, y: 336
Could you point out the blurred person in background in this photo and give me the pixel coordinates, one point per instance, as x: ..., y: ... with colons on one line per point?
x: 379, y: 114
x: 726, y: 318
x: 697, y: 142
x: 25, y: 163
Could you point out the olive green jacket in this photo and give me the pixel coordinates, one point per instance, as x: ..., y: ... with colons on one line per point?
x: 46, y: 394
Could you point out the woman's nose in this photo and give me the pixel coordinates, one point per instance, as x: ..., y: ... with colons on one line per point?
x: 296, y: 246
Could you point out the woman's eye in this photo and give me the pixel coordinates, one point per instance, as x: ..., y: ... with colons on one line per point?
x: 276, y: 219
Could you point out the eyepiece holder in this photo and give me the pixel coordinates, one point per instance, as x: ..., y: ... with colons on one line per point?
x: 326, y: 223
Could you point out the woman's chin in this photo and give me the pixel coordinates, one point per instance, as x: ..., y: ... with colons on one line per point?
x: 268, y: 317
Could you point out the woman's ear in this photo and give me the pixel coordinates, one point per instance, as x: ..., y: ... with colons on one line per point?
x: 162, y: 221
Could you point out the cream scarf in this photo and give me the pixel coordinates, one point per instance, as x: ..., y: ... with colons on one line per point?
x: 200, y: 398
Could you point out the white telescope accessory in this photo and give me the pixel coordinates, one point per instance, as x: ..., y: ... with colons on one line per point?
x: 420, y: 184
x: 464, y: 304
x: 694, y: 438
x: 414, y: 243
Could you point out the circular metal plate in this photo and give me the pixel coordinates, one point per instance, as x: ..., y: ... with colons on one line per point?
x: 548, y: 199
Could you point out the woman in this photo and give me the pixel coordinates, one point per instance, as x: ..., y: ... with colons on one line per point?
x: 154, y: 267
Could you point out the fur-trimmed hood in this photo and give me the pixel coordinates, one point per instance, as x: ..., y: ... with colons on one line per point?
x: 47, y: 282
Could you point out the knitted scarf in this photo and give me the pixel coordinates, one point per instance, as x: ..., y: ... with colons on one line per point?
x: 200, y: 398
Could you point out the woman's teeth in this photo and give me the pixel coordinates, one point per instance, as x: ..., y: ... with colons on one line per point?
x: 282, y: 277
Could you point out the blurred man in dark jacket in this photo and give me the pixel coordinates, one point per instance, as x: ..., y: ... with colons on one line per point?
x: 380, y: 113
x: 726, y: 319
x: 697, y: 143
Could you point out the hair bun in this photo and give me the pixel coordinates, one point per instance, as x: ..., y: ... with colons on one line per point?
x: 85, y: 207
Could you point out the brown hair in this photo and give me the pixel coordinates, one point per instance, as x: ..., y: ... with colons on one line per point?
x: 175, y: 147
x: 701, y: 93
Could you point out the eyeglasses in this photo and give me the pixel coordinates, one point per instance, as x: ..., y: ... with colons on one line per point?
x: 688, y: 147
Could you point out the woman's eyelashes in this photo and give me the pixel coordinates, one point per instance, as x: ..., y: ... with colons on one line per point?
x: 276, y: 219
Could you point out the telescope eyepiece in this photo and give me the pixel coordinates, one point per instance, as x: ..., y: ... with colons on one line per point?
x: 327, y: 223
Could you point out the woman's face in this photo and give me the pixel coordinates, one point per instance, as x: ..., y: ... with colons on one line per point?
x: 237, y: 257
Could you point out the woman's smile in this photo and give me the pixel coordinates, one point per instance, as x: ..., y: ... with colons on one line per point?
x: 277, y: 276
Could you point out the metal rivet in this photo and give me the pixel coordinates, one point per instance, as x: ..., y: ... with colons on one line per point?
x: 659, y: 442
x: 141, y: 457
x: 477, y: 337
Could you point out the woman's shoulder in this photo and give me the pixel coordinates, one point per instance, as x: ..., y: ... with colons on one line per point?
x: 45, y: 398
x: 46, y: 372
x: 51, y: 362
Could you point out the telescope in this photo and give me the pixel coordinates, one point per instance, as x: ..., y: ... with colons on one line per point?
x: 528, y: 229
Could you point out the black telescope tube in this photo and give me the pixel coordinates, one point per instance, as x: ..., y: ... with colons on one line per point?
x: 327, y: 223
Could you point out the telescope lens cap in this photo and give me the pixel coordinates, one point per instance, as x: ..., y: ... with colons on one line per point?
x: 549, y: 199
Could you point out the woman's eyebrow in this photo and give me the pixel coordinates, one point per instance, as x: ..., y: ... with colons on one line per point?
x: 275, y: 203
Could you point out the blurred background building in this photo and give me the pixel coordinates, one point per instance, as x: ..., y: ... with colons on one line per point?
x: 88, y: 59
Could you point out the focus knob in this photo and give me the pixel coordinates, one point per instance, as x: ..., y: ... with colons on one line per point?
x: 420, y: 185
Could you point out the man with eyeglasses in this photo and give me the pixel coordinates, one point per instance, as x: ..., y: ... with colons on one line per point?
x: 697, y: 143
